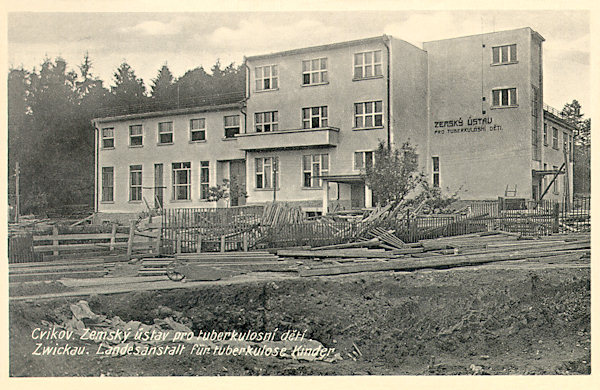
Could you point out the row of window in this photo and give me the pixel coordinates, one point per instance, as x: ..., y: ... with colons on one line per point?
x: 567, y: 139
x: 181, y: 183
x: 197, y: 128
x: 367, y: 64
x: 366, y: 115
x: 314, y: 166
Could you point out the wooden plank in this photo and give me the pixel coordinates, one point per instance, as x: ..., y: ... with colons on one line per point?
x: 80, y: 236
x: 113, y: 236
x: 54, y: 239
x: 130, y: 238
x: 98, y: 245
x: 436, y: 262
x: 333, y: 254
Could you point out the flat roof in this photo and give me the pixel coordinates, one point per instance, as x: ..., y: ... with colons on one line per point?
x: 177, y: 111
x: 320, y: 47
x: 558, y: 120
x: 533, y: 32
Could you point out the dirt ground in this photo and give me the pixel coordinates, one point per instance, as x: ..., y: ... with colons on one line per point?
x: 484, y: 320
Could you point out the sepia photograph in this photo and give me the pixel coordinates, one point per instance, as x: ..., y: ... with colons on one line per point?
x: 287, y: 193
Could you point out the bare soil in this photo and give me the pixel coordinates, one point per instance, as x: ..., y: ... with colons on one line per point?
x: 459, y: 321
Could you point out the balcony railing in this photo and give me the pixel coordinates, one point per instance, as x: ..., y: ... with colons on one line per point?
x: 553, y: 111
x: 289, y: 139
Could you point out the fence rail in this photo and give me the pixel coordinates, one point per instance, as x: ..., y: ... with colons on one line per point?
x: 241, y: 228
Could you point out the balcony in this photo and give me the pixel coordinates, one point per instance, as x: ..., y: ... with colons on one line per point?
x: 289, y: 139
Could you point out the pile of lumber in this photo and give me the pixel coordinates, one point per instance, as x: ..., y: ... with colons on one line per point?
x: 278, y: 213
x: 82, y: 268
x: 448, y: 252
x: 203, y: 266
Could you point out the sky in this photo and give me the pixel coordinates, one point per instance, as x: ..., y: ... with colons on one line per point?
x: 187, y: 40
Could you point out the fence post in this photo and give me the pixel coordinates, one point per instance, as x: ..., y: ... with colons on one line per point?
x: 131, y: 236
x: 55, y: 239
x: 223, y: 243
x: 245, y: 242
x: 555, y: 214
x: 178, y: 250
x: 113, y: 236
x: 199, y: 243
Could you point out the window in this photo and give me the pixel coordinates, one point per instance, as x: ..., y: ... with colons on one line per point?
x: 555, y: 138
x: 135, y: 183
x: 555, y: 185
x: 565, y: 142
x: 314, y: 71
x: 545, y: 178
x: 265, y: 121
x: 165, y: 133
x: 198, y: 129
x: 313, y: 166
x: 367, y: 64
x: 204, y: 179
x: 545, y: 134
x: 108, y: 184
x: 504, y: 54
x: 135, y: 135
x: 363, y: 160
x: 267, y: 172
x: 436, y: 171
x: 368, y: 114
x: 506, y: 97
x: 181, y: 180
x: 266, y: 77
x: 108, y: 138
x: 232, y: 125
x: 314, y: 117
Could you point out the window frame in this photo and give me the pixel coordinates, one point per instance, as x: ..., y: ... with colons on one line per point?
x: 510, y: 96
x: 436, y: 177
x: 272, y: 172
x: 321, y: 73
x: 108, y: 138
x: 230, y: 127
x: 554, y: 138
x: 316, y: 160
x: 204, y: 184
x: 509, y: 52
x: 162, y: 132
x: 323, y: 119
x: 273, y: 79
x: 199, y: 130
x: 555, y: 189
x: 136, y: 136
x: 273, y: 122
x: 363, y: 166
x: 545, y: 134
x: 135, y: 187
x: 364, y: 115
x: 175, y: 185
x: 363, y: 65
x: 105, y: 186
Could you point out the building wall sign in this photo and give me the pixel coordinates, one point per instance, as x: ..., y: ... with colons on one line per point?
x: 473, y: 125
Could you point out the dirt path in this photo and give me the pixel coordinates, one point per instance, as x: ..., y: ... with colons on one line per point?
x: 118, y: 285
x: 522, y: 318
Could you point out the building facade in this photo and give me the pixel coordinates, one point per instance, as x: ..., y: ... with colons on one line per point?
x: 167, y: 159
x: 313, y: 117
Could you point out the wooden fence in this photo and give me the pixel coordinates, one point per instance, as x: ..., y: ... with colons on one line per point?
x: 98, y: 240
